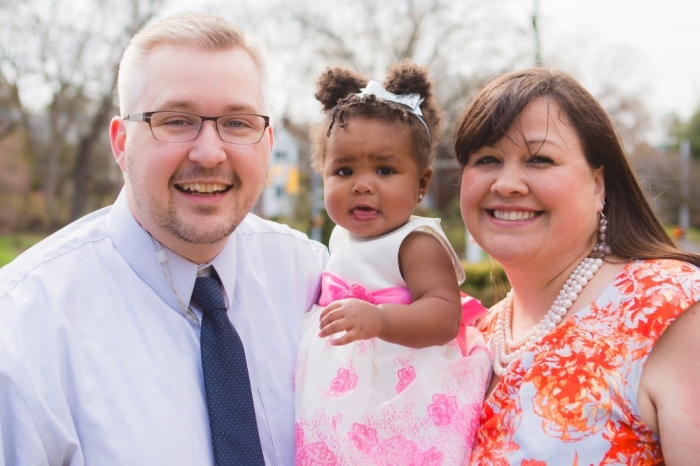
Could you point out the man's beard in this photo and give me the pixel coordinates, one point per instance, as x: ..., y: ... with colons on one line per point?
x: 166, y: 217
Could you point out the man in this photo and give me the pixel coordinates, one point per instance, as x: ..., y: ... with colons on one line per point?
x: 100, y: 324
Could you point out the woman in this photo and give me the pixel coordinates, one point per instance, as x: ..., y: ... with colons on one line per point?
x: 595, y: 348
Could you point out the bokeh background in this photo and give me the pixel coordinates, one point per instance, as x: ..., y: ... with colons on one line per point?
x: 58, y: 64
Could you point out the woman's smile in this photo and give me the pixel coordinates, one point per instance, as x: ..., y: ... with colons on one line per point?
x: 513, y: 215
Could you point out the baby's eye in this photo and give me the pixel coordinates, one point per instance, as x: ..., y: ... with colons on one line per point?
x: 384, y: 171
x: 345, y: 171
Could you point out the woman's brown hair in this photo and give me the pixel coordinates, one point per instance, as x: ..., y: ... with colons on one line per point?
x: 634, y: 231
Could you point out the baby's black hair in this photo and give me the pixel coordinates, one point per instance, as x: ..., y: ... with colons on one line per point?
x: 337, y: 89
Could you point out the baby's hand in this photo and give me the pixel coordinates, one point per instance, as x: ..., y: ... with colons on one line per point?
x: 360, y: 319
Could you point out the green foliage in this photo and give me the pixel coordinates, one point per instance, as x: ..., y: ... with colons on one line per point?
x: 678, y: 129
x: 486, y: 281
x: 13, y: 245
x: 692, y: 132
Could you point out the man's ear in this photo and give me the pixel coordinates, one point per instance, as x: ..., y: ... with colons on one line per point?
x: 117, y: 137
x: 271, y: 137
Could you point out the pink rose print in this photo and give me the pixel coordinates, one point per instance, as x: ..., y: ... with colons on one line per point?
x: 298, y: 436
x: 358, y: 292
x: 335, y: 420
x: 431, y: 457
x: 316, y: 454
x: 443, y: 409
x: 467, y: 421
x: 364, y: 345
x: 364, y: 437
x: 397, y: 451
x: 406, y: 376
x: 344, y: 381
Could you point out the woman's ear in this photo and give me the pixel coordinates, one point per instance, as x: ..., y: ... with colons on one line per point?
x: 599, y: 180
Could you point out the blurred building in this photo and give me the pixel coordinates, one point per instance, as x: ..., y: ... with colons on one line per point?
x: 282, y: 185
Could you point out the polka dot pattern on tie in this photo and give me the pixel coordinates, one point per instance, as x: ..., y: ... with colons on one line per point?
x: 234, y: 430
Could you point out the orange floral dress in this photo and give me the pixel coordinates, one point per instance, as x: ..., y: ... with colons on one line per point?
x: 572, y: 399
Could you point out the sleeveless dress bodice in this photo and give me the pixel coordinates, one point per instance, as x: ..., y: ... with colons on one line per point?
x: 372, y: 402
x: 572, y: 399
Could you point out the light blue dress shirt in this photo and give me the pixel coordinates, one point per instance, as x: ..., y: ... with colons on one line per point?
x: 100, y: 366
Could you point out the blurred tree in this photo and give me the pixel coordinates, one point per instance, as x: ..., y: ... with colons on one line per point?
x: 693, y: 134
x: 461, y: 42
x: 61, y: 76
x: 658, y: 171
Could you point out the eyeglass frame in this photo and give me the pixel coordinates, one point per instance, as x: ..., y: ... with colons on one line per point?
x: 146, y: 118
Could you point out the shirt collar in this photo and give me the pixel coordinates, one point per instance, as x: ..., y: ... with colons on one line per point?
x: 139, y: 250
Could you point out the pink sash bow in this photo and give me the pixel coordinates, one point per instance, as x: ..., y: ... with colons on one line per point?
x: 334, y: 288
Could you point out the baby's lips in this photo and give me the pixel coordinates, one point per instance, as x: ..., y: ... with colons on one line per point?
x: 364, y: 214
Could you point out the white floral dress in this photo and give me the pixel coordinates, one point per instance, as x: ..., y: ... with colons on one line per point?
x: 377, y: 403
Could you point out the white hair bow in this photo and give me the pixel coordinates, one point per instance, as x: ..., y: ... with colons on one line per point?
x: 410, y: 101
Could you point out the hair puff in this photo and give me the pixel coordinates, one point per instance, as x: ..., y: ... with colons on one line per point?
x: 335, y: 84
x: 337, y: 89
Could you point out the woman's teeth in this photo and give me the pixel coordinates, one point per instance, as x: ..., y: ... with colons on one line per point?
x: 202, y: 187
x: 514, y: 214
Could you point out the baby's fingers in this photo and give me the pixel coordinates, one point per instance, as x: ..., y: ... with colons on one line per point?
x: 328, y: 309
x: 331, y: 316
x: 334, y: 323
x: 350, y: 336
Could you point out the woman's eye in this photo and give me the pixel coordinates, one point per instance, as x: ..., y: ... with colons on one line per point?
x: 485, y: 160
x: 343, y: 172
x: 540, y: 159
x: 384, y: 171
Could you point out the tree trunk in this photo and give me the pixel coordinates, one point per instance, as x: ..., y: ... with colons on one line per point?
x: 83, y: 161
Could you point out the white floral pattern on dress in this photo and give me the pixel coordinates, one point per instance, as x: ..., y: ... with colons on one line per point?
x: 376, y: 403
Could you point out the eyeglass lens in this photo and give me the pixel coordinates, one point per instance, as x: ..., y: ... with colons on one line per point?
x: 183, y: 127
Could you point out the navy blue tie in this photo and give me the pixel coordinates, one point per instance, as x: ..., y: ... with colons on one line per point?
x: 234, y: 431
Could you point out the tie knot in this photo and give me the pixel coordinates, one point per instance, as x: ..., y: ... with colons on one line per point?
x: 208, y: 295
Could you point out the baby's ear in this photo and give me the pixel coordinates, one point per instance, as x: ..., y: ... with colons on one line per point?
x: 335, y: 84
x: 424, y: 181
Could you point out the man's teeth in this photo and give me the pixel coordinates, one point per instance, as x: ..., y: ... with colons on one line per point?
x: 203, y: 187
x: 513, y: 214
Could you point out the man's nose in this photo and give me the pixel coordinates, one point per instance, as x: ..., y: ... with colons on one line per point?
x: 208, y: 149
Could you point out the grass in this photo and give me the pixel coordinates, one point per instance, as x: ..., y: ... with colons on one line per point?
x: 14, y: 244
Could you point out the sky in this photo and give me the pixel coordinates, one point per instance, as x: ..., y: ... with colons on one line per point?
x: 651, y: 48
x: 659, y: 39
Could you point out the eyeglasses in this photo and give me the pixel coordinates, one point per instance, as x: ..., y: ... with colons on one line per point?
x: 240, y: 128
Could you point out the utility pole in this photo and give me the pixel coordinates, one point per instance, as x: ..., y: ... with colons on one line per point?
x: 535, y: 28
x: 684, y: 210
x: 316, y: 207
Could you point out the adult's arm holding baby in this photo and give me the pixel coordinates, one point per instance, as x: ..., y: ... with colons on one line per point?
x: 431, y: 319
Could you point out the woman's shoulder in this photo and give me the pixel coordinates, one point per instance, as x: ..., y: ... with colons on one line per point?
x: 651, y: 290
x: 652, y: 273
x: 670, y: 265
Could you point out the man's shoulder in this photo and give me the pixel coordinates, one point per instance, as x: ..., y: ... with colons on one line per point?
x: 273, y: 232
x: 59, y: 246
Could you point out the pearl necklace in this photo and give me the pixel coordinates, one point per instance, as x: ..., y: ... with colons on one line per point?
x: 502, y: 340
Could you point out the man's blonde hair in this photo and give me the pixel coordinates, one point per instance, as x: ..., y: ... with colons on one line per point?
x: 200, y: 30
